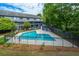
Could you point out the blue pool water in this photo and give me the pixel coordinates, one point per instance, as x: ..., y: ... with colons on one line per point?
x: 34, y: 36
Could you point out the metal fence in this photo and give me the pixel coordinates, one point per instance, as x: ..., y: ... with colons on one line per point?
x: 56, y: 41
x: 74, y: 39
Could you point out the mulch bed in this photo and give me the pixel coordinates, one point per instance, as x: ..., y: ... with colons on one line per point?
x: 20, y: 47
x: 4, y: 31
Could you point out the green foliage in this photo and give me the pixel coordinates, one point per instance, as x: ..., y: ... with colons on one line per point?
x: 7, y: 44
x: 6, y: 24
x: 2, y: 40
x: 62, y: 16
x: 39, y: 15
x: 27, y: 25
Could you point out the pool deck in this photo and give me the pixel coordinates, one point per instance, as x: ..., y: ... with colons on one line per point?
x: 58, y: 40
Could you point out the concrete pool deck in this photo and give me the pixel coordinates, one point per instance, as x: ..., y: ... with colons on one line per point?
x: 57, y: 42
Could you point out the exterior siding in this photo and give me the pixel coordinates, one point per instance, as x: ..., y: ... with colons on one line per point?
x: 21, y: 18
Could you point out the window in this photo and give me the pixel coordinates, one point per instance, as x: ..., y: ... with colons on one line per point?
x: 38, y: 19
x: 27, y: 18
x: 31, y: 19
x: 21, y: 17
x: 34, y: 18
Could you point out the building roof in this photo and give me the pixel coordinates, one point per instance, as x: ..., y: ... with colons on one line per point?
x: 16, y: 14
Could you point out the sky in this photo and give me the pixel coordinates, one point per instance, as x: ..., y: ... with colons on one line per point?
x: 30, y: 8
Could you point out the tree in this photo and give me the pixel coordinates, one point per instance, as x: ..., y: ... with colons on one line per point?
x: 27, y: 25
x: 7, y: 24
x: 62, y: 16
x: 39, y: 15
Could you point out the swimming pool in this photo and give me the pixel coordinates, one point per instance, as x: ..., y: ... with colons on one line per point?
x: 34, y: 36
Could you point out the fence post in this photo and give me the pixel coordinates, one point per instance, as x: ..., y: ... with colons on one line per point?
x: 71, y: 38
x: 16, y: 38
x: 19, y: 39
x: 53, y: 43
x: 62, y: 43
x: 27, y: 41
x: 73, y: 42
x: 36, y: 40
x: 12, y: 39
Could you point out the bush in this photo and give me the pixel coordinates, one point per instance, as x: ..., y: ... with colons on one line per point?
x: 7, y: 24
x: 27, y: 25
x: 7, y: 44
x: 2, y: 40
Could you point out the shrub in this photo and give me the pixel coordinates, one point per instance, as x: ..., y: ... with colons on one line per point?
x: 2, y: 40
x: 27, y: 25
x: 6, y: 24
